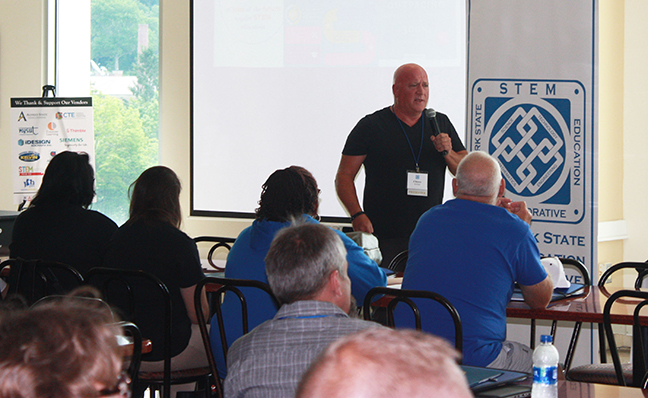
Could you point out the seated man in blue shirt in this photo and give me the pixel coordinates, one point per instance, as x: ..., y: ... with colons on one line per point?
x: 472, y: 250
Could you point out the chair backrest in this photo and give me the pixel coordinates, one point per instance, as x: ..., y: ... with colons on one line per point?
x: 89, y: 301
x: 406, y: 296
x: 578, y: 267
x: 399, y: 262
x: 638, y: 353
x: 35, y: 279
x: 641, y: 268
x: 127, y: 290
x: 130, y: 329
x: 218, y: 242
x: 216, y: 288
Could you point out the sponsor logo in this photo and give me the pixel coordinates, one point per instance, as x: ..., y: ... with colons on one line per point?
x: 52, y: 129
x: 66, y: 140
x: 34, y: 142
x: 66, y: 115
x: 28, y: 171
x: 29, y: 156
x: 22, y: 117
x: 77, y: 131
x: 27, y: 130
x: 535, y: 129
x: 29, y: 183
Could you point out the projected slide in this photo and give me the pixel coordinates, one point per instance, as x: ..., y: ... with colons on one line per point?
x: 280, y: 83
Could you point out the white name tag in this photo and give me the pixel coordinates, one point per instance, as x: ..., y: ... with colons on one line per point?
x: 417, y: 183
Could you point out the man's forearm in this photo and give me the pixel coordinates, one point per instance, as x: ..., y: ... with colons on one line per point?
x: 346, y: 192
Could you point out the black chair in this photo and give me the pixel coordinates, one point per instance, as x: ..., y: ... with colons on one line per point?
x: 582, y: 271
x: 130, y: 329
x: 218, y: 242
x: 217, y: 287
x: 399, y: 262
x: 632, y: 374
x: 35, y: 279
x: 126, y: 290
x: 406, y: 296
x: 641, y: 268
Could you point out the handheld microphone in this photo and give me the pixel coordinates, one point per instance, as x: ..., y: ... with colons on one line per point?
x: 431, y: 114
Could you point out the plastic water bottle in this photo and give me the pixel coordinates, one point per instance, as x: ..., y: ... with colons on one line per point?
x: 545, y: 369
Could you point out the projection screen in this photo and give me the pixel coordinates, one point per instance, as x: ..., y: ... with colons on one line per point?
x: 282, y: 82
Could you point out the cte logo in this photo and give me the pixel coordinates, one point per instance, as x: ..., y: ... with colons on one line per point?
x: 535, y: 129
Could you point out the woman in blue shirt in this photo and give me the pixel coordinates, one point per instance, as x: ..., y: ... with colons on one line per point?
x: 289, y: 195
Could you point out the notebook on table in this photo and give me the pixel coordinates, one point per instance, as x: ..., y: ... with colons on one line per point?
x: 483, y: 379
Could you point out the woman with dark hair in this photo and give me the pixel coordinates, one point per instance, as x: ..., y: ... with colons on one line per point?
x: 288, y: 195
x: 151, y: 241
x: 58, y: 225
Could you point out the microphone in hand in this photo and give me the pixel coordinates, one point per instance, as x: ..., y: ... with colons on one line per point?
x: 431, y: 115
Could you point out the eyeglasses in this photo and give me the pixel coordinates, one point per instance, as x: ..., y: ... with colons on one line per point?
x: 122, y: 388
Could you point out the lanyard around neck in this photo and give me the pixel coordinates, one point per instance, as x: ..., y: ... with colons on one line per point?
x: 416, y: 158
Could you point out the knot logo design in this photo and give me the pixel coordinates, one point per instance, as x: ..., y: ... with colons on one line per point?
x: 535, y: 130
x: 529, y: 148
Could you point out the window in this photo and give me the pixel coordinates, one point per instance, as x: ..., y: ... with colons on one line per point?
x: 115, y: 44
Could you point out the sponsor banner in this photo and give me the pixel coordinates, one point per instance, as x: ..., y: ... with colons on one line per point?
x: 531, y: 104
x: 41, y: 128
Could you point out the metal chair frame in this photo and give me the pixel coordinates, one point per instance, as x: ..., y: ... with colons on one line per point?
x: 32, y: 272
x: 398, y: 263
x: 639, y: 373
x: 218, y: 243
x: 406, y: 296
x: 641, y: 268
x: 225, y: 285
x: 124, y: 278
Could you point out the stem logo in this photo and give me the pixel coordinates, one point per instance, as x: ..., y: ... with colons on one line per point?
x: 535, y: 129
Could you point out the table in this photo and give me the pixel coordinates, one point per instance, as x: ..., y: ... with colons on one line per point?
x: 587, y: 307
x: 572, y: 389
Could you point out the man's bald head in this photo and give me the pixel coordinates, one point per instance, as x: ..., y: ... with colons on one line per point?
x: 478, y: 176
x: 408, y: 364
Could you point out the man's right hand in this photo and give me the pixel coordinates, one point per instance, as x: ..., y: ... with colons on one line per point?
x: 362, y: 223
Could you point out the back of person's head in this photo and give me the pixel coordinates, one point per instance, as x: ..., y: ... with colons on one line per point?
x: 408, y: 363
x: 68, y: 180
x: 478, y: 174
x: 58, y: 349
x: 300, y: 260
x: 287, y: 194
x: 155, y: 195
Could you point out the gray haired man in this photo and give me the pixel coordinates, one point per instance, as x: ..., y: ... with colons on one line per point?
x: 307, y: 271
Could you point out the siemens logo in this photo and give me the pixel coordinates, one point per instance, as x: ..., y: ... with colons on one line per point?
x: 68, y: 140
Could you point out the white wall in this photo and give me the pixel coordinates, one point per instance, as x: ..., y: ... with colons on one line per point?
x: 22, y: 51
x: 635, y: 133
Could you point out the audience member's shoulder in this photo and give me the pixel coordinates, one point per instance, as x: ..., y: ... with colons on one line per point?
x: 101, y: 218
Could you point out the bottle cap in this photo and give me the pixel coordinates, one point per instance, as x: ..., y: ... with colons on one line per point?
x: 546, y: 338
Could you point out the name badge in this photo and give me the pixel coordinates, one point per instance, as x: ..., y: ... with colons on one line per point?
x: 417, y: 183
